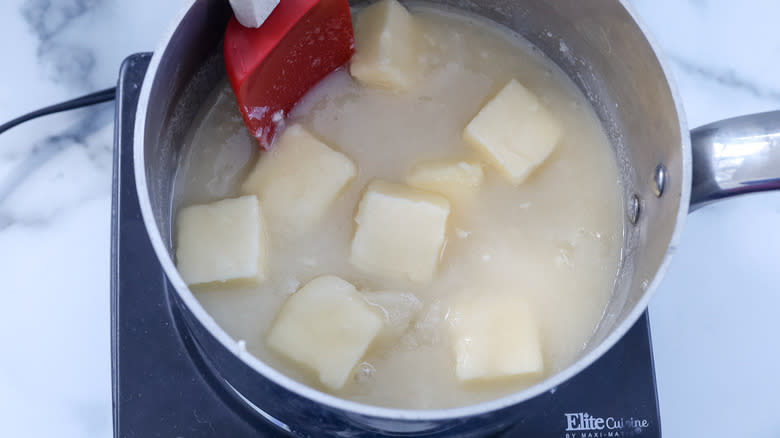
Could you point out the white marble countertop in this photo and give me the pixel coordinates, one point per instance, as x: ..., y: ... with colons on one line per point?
x: 713, y: 320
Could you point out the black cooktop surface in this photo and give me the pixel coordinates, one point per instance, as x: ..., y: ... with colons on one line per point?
x: 161, y: 390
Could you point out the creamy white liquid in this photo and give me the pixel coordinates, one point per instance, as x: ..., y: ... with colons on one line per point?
x: 555, y: 239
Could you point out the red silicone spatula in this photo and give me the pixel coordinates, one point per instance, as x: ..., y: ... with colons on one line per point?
x: 271, y: 67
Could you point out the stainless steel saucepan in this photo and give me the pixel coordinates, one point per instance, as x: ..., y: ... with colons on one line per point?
x: 665, y: 172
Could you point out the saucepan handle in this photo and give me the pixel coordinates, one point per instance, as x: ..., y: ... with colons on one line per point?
x: 735, y: 156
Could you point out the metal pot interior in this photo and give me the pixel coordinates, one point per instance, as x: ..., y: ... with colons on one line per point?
x: 597, y: 43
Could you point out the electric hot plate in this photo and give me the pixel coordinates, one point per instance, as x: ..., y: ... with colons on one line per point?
x: 161, y: 387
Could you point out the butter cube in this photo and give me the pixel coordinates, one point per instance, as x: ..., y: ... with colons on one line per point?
x: 326, y: 326
x: 514, y: 131
x: 398, y: 308
x: 221, y: 241
x: 385, y: 52
x: 453, y: 179
x: 494, y: 336
x: 400, y: 231
x: 298, y: 179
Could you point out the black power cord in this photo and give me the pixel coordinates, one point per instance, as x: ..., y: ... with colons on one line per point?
x: 101, y: 96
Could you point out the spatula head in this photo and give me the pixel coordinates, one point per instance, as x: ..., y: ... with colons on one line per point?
x: 271, y: 67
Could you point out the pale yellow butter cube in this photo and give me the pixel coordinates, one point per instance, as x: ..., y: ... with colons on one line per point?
x: 494, y: 336
x: 298, y: 179
x: 453, y: 179
x: 221, y: 241
x: 326, y: 326
x: 514, y: 131
x: 400, y: 231
x: 385, y: 46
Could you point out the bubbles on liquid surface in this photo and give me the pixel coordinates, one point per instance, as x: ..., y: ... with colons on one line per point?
x: 364, y: 372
